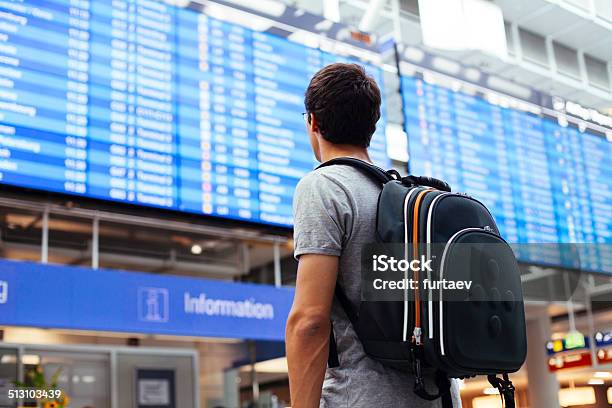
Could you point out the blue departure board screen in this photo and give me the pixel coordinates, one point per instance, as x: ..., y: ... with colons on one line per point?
x: 140, y: 102
x: 543, y: 182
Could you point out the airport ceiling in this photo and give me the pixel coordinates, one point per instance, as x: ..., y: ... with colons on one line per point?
x: 580, y: 26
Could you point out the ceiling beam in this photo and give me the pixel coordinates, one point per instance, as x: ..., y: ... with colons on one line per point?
x: 371, y: 15
x: 331, y: 10
x: 536, y: 13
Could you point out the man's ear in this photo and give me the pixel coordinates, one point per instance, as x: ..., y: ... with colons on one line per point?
x: 314, y: 126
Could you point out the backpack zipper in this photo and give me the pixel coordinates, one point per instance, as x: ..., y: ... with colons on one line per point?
x: 487, y: 229
x: 429, y: 293
x: 415, y: 250
x: 429, y: 230
x: 406, y: 302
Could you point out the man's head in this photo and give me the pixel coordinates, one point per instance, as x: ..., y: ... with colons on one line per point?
x: 343, y: 106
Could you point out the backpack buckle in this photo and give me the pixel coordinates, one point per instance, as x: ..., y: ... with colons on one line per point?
x: 394, y: 174
x: 442, y: 381
x: 419, y: 381
x: 416, y: 336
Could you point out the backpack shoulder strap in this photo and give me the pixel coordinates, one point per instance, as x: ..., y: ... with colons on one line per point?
x: 374, y: 172
x: 505, y: 387
x: 383, y: 176
x: 379, y: 176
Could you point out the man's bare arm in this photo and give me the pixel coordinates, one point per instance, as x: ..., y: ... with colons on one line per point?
x: 308, y: 328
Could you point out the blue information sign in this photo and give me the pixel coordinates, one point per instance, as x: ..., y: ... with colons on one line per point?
x: 37, y: 295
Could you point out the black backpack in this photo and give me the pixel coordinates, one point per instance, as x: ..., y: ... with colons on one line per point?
x: 484, y: 335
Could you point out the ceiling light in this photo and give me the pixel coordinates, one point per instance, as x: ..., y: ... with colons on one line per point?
x: 178, y: 3
x: 446, y: 65
x: 493, y: 99
x: 484, y: 26
x: 305, y: 37
x: 570, y: 397
x: 239, y: 17
x: 275, y: 365
x: 196, y: 249
x: 509, y: 87
x: 414, y: 54
x: 30, y: 359
x: 602, y: 374
x: 331, y: 10
x: 558, y: 103
x: 491, y: 401
x: 442, y: 24
x: 271, y: 7
x: 430, y: 78
x: 389, y: 68
x: 343, y: 34
x: 463, y: 25
x: 8, y: 359
x: 408, y: 69
x: 324, y: 25
x: 472, y: 74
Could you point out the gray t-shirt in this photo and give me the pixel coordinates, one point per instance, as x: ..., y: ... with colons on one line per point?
x: 335, y: 214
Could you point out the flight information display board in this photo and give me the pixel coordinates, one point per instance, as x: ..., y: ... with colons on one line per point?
x: 137, y: 101
x: 543, y: 182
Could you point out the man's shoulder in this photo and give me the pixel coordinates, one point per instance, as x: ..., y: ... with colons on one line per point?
x: 337, y: 176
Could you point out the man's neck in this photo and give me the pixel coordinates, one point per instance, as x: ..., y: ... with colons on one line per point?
x: 333, y: 151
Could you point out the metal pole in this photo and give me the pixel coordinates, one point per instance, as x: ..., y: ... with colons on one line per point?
x: 95, y: 243
x: 196, y: 375
x: 246, y: 258
x: 277, y: 266
x: 569, y: 303
x: 44, y: 255
x: 20, y: 370
x: 114, y: 381
x: 397, y: 22
x: 539, y: 378
x: 590, y: 319
x: 254, y: 381
x: 591, y: 323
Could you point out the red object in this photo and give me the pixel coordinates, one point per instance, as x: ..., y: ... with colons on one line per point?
x: 361, y: 37
x: 570, y: 360
x: 604, y: 355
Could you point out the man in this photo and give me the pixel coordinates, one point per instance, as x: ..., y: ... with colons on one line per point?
x: 335, y: 215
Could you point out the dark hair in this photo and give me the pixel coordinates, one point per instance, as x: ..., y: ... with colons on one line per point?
x: 345, y: 102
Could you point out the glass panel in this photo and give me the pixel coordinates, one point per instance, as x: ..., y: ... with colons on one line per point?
x: 84, y: 377
x: 8, y: 374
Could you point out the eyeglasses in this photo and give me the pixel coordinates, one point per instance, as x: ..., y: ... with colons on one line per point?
x: 306, y: 117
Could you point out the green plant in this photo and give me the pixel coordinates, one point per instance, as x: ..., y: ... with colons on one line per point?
x: 51, y: 398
